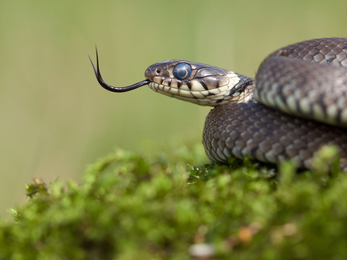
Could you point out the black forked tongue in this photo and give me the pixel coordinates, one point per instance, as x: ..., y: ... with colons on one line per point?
x: 109, y: 87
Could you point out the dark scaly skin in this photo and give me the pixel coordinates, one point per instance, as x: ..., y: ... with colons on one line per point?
x: 255, y: 131
x: 326, y: 77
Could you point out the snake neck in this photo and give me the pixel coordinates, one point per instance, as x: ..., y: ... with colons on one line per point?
x: 243, y: 90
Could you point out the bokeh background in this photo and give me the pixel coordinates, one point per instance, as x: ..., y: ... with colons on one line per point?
x: 56, y: 119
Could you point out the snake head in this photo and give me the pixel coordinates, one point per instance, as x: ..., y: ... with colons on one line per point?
x: 189, y: 81
x: 195, y: 82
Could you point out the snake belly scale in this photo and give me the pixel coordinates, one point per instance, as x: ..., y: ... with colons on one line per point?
x: 296, y: 104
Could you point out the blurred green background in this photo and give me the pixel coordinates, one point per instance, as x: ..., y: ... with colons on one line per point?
x: 56, y: 119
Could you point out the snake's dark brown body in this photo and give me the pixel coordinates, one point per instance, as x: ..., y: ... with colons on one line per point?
x: 253, y: 130
x: 259, y: 132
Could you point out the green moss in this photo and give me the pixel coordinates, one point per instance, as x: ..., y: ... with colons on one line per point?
x: 133, y: 207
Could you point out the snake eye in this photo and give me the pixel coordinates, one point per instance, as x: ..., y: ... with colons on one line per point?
x: 182, y: 71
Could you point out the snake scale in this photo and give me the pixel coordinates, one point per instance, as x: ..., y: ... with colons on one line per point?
x: 296, y: 104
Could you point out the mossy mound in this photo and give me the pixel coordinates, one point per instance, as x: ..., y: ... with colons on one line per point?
x: 133, y: 207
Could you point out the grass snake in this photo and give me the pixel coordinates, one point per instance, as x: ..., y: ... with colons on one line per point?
x: 296, y: 104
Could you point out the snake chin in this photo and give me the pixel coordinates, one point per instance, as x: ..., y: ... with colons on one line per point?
x: 213, y: 97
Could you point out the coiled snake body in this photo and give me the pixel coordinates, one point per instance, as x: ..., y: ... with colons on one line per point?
x: 296, y: 104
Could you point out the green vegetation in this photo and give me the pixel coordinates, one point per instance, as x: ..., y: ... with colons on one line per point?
x: 130, y: 206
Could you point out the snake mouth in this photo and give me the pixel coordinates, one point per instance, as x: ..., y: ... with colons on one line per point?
x: 213, y: 97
